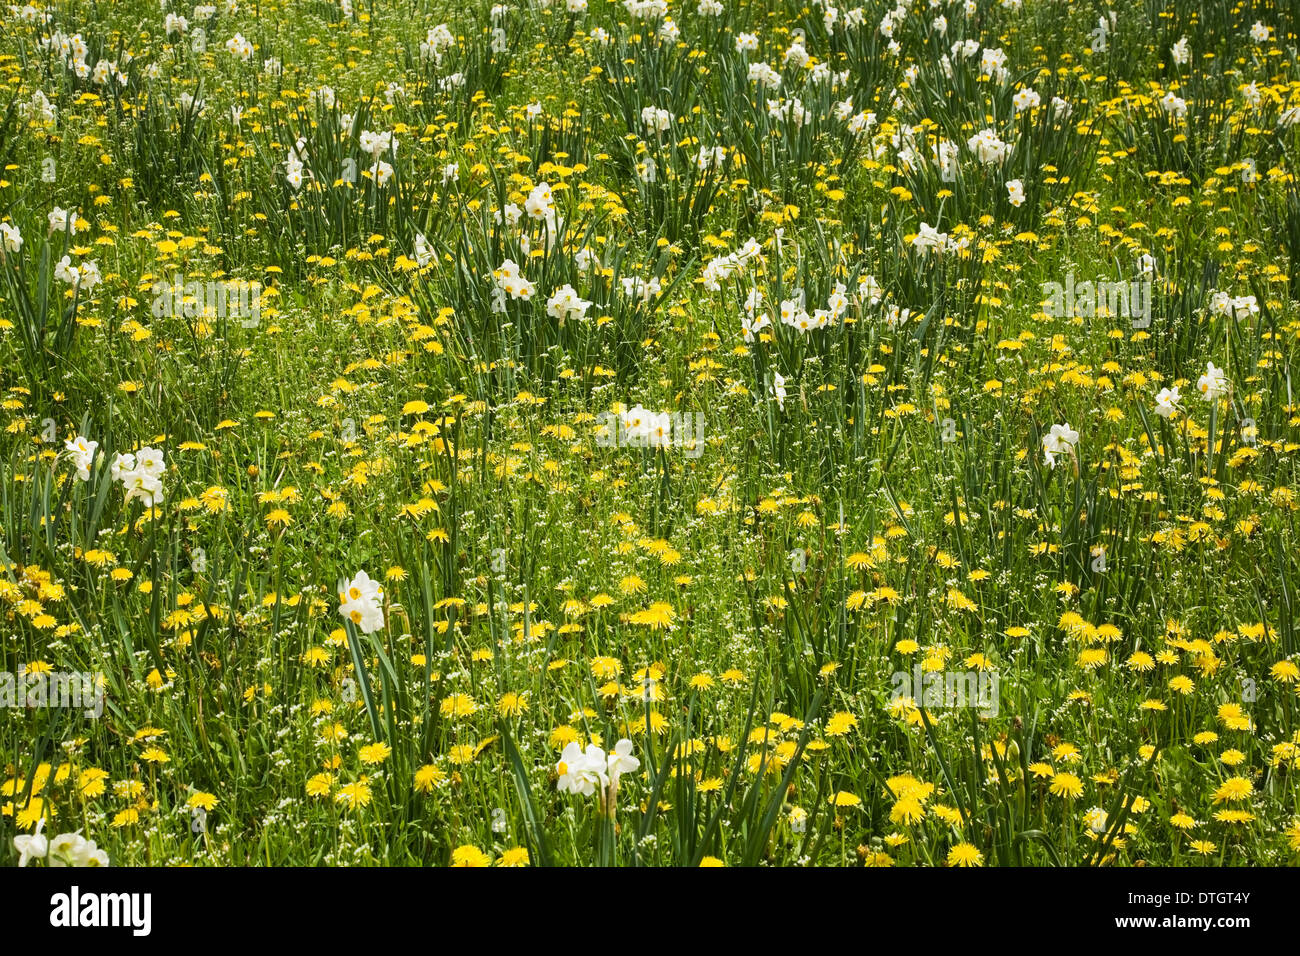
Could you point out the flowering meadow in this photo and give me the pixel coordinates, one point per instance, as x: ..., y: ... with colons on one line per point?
x: 649, y: 433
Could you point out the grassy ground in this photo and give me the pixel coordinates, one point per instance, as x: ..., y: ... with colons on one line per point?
x: 845, y: 272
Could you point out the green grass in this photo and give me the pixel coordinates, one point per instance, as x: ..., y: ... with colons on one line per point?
x: 738, y: 609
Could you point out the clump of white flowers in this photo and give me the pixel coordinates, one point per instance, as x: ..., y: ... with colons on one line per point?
x: 509, y: 281
x: 66, y: 849
x: 1167, y: 400
x: 82, y: 452
x: 1026, y: 99
x: 778, y: 389
x: 361, y: 601
x: 82, y: 277
x: 240, y: 48
x: 1213, y: 384
x: 641, y: 428
x: 435, y: 42
x: 295, y: 168
x: 796, y: 316
x: 592, y: 771
x: 141, y: 475
x: 656, y: 119
x: 646, y: 9
x: 988, y: 149
x: 720, y: 268
x: 11, y: 240
x: 565, y: 303
x: 643, y: 290
x: 63, y: 220
x: 1060, y: 441
x: 929, y: 239
x: 1241, y: 306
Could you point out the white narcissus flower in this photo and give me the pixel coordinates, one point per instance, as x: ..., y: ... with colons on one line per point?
x: 423, y: 251
x: 510, y: 281
x: 869, y: 290
x: 141, y: 485
x: 1059, y: 441
x: 988, y: 147
x: 88, y: 275
x: 1244, y: 305
x: 121, y: 465
x: 659, y: 430
x: 82, y: 452
x: 582, y: 772
x: 382, y: 173
x: 749, y: 327
x: 1213, y: 384
x: 239, y: 48
x: 539, y: 203
x: 1174, y: 105
x: 189, y: 104
x: 141, y: 475
x: 635, y: 423
x: 64, y: 849
x: 86, y: 853
x: 1167, y: 401
x: 592, y: 772
x: 1026, y: 99
x: 621, y: 760
x: 992, y: 61
x: 61, y: 219
x: 634, y: 287
x: 85, y: 276
x: 150, y: 461
x: 72, y: 849
x: 1241, y: 306
x: 566, y: 303
x: 928, y: 237
x: 894, y: 316
x: 377, y: 144
x: 64, y: 272
x: 1016, y: 192
x: 510, y: 213
x: 361, y: 602
x: 778, y: 389
x: 656, y: 119
x: 32, y: 847
x: 11, y: 240
x: 91, y: 855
